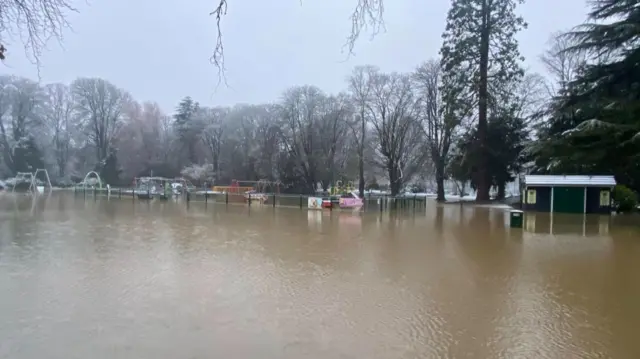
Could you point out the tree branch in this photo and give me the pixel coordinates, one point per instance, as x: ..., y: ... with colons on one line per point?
x: 217, y: 58
x: 35, y: 22
x: 367, y: 14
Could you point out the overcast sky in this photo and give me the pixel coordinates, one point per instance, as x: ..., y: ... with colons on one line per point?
x: 159, y: 50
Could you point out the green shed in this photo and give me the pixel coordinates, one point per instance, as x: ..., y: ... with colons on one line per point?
x: 567, y: 194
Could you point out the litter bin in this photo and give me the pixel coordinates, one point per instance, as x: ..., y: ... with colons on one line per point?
x: 516, y: 218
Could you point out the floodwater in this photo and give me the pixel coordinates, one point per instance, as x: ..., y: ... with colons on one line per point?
x: 117, y: 279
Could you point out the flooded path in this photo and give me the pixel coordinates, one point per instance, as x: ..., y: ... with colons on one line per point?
x: 107, y: 279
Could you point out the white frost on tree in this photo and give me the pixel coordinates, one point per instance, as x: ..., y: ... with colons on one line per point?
x: 21, y: 110
x: 198, y: 173
x: 59, y: 126
x: 100, y: 106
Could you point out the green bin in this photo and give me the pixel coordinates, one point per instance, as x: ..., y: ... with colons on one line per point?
x: 516, y: 218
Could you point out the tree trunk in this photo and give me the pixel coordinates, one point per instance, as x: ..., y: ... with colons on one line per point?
x: 440, y: 181
x: 192, y: 153
x: 501, y: 191
x: 363, y: 130
x: 216, y: 168
x: 394, y: 180
x: 483, y: 94
x: 361, y: 180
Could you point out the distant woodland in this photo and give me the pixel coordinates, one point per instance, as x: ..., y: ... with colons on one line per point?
x: 472, y: 114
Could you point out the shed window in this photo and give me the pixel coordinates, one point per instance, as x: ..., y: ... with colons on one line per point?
x: 605, y: 198
x: 531, y: 196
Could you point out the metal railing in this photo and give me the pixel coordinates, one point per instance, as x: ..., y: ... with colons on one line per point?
x: 372, y: 202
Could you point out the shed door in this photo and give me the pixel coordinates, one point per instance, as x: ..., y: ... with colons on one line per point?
x: 568, y: 199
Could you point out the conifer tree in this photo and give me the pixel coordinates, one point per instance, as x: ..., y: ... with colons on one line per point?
x: 480, y: 60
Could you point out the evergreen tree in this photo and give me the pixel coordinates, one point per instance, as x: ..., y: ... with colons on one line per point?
x: 507, y: 136
x: 595, y: 125
x: 27, y: 157
x: 110, y: 170
x: 480, y: 60
x: 186, y: 127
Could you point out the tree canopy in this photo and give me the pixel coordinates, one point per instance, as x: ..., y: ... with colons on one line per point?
x: 472, y: 115
x: 594, y: 123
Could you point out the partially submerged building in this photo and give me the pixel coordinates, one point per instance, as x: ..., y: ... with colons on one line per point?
x: 567, y: 194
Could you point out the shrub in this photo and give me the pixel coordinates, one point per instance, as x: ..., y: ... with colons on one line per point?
x: 373, y: 185
x: 625, y: 198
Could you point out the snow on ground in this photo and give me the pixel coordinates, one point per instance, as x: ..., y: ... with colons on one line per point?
x: 208, y: 192
x: 452, y: 198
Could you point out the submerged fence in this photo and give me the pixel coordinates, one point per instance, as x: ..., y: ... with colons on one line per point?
x: 371, y: 202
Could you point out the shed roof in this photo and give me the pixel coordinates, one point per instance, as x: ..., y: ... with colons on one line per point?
x: 581, y: 181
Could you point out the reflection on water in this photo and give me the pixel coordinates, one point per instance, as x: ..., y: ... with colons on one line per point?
x: 116, y: 278
x: 569, y: 224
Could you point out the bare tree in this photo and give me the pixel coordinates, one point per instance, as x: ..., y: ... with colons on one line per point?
x: 360, y: 89
x: 100, y: 106
x: 21, y: 113
x: 35, y: 22
x: 399, y: 138
x: 130, y: 141
x: 562, y: 62
x: 144, y: 140
x: 439, y: 125
x: 531, y: 99
x: 300, y: 112
x: 200, y: 174
x: 242, y: 149
x: 213, y: 134
x: 333, y: 129
x: 59, y: 121
x: 268, y: 135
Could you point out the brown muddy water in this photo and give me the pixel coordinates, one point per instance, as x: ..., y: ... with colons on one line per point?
x: 115, y: 279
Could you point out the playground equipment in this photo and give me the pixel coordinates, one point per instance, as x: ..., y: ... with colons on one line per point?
x: 34, y: 184
x: 341, y: 195
x: 234, y: 188
x: 349, y: 200
x: 22, y: 177
x: 340, y: 188
x: 163, y: 188
x: 257, y: 191
x: 96, y: 175
x: 262, y: 190
x: 32, y: 179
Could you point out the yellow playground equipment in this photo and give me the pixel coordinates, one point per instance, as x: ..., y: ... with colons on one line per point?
x: 234, y: 188
x: 242, y: 187
x: 340, y: 188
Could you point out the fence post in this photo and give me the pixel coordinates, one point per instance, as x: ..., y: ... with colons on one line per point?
x: 206, y: 196
x: 274, y: 200
x: 95, y: 192
x: 226, y: 197
x: 414, y: 201
x: 249, y: 199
